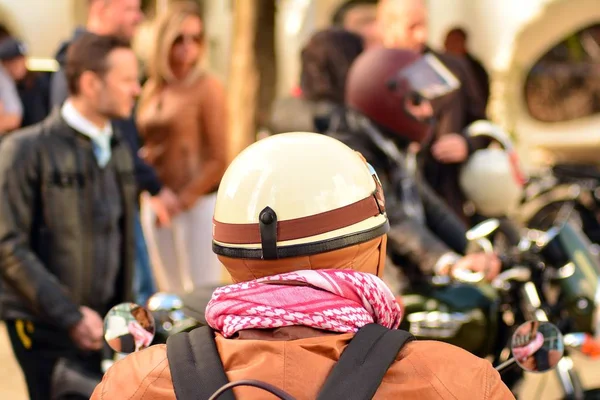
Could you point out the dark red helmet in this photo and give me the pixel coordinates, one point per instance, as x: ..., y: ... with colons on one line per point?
x: 373, y: 90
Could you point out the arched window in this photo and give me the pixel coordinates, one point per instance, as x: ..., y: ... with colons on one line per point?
x: 564, y: 84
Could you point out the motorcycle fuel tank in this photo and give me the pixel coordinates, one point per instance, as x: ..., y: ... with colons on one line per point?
x: 461, y: 315
x: 577, y: 274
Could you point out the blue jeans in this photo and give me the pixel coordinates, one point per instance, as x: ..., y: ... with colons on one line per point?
x: 143, y: 281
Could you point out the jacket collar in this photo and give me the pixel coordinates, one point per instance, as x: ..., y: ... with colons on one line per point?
x: 60, y: 127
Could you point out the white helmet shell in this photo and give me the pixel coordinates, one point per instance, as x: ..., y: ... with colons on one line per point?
x: 487, y: 128
x: 490, y: 182
x: 296, y: 194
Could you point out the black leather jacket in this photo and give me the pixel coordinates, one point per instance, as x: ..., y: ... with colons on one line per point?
x: 414, y: 244
x: 45, y: 254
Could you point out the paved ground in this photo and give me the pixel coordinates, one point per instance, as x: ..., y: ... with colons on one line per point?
x: 12, y: 385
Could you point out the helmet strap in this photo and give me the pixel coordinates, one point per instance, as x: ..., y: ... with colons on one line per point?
x: 267, y: 221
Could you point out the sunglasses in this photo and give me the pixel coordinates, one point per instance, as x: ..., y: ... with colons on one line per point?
x: 181, y: 38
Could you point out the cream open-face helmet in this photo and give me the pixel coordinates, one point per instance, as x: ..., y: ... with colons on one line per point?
x: 492, y: 178
x: 295, y: 195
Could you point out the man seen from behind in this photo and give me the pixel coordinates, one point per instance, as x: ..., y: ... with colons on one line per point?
x: 300, y: 223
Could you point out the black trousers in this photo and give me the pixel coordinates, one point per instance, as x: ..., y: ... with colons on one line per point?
x: 38, y: 348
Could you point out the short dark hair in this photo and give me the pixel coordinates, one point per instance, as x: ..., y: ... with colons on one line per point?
x: 340, y: 13
x: 325, y: 61
x: 90, y: 52
x: 458, y: 31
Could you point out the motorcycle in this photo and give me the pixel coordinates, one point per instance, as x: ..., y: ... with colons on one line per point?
x: 548, y: 276
x: 574, y: 185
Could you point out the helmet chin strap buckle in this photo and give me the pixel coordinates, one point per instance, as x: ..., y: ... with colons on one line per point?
x: 267, y: 221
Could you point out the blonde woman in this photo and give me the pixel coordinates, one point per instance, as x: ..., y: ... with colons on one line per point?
x: 182, y: 121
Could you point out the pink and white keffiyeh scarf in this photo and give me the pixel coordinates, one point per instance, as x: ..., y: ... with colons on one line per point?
x: 141, y: 336
x: 521, y: 353
x: 334, y: 300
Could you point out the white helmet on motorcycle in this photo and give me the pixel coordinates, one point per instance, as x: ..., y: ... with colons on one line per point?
x: 492, y: 178
x: 291, y: 198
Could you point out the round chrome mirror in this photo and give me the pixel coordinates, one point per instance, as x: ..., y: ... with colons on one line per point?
x: 537, y: 346
x: 129, y: 327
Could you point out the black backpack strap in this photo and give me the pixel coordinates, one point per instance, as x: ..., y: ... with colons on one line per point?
x: 363, y: 364
x: 196, y: 367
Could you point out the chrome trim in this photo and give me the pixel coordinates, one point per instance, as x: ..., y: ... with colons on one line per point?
x: 517, y: 273
x: 546, y: 196
x: 565, y: 271
x: 436, y: 324
x: 532, y: 295
x: 563, y: 369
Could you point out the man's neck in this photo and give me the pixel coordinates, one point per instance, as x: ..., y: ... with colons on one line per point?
x: 88, y: 112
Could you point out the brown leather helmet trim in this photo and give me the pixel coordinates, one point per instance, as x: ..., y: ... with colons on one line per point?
x: 305, y: 249
x: 304, y: 227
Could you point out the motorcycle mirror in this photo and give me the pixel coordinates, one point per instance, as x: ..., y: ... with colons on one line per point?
x: 536, y: 346
x: 129, y: 327
x: 483, y: 229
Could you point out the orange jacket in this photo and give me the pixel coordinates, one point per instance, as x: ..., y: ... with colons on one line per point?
x: 300, y: 363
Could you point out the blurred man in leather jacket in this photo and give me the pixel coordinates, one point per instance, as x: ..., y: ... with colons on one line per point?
x: 382, y: 123
x: 67, y: 206
x: 403, y: 25
x: 120, y: 18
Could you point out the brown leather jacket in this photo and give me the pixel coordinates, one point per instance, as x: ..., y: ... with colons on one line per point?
x: 298, y: 360
x: 185, y: 135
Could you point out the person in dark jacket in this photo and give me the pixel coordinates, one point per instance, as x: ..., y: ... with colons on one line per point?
x: 403, y: 25
x: 456, y: 44
x: 426, y: 238
x: 31, y: 86
x: 325, y: 61
x: 67, y: 207
x: 120, y: 18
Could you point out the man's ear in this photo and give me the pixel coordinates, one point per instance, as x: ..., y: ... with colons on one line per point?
x: 88, y: 82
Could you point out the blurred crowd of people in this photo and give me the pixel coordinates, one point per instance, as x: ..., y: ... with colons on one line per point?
x: 359, y: 25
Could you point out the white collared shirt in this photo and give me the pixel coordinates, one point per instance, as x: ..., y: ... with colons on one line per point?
x: 100, y: 137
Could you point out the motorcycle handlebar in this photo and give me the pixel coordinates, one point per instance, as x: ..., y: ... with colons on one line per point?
x: 466, y: 276
x: 510, y: 265
x: 518, y: 273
